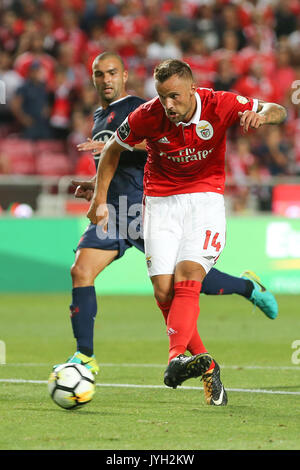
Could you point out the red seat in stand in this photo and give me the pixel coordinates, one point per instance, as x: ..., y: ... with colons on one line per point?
x: 53, y: 164
x: 20, y: 155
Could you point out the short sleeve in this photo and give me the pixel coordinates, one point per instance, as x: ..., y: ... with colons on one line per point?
x: 132, y: 130
x: 230, y: 104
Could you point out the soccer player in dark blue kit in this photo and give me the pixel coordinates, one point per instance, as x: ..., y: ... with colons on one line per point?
x: 95, y: 250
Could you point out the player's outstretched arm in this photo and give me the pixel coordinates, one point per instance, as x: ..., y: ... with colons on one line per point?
x: 267, y: 113
x: 110, y: 156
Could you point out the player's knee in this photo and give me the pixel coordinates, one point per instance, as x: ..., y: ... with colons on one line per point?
x: 189, y: 270
x: 163, y: 296
x: 81, y: 275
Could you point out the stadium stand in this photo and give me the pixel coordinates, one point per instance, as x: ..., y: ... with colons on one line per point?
x: 250, y: 47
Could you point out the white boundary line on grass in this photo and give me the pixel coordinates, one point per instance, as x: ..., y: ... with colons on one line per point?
x: 241, y: 390
x: 223, y: 366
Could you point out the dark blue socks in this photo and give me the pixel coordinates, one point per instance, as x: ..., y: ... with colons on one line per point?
x: 219, y: 283
x: 83, y: 312
x: 84, y: 304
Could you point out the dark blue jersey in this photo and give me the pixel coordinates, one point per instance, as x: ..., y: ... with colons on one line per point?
x: 128, y: 179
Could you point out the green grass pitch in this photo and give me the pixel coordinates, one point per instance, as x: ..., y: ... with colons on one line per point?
x: 132, y: 410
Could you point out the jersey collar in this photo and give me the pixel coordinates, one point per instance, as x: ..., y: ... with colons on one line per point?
x: 120, y: 99
x: 117, y: 101
x: 196, y: 117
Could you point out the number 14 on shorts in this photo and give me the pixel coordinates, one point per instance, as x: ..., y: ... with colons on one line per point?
x: 212, y: 240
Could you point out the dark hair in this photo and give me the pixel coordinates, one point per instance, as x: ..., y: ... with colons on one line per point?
x: 170, y: 67
x: 106, y: 55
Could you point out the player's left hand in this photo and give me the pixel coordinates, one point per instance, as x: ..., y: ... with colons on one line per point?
x: 251, y: 119
x: 98, y: 213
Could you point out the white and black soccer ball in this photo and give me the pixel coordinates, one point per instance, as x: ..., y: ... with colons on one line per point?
x: 71, y: 385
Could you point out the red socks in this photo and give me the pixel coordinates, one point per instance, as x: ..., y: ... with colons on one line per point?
x: 181, y: 319
x: 195, y: 345
x: 183, y: 315
x: 165, y: 309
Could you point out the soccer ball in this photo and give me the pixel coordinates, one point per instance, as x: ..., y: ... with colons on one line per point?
x: 71, y: 385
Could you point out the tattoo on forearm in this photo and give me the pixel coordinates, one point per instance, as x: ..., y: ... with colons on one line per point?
x: 274, y: 113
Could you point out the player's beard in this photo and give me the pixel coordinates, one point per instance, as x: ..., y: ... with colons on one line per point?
x: 179, y: 117
x: 109, y: 97
x: 183, y: 115
x: 176, y: 117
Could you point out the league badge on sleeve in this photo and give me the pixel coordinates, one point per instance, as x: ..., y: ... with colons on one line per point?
x: 204, y: 130
x: 124, y: 130
x: 242, y: 99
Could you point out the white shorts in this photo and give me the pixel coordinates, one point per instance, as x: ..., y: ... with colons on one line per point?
x: 183, y: 227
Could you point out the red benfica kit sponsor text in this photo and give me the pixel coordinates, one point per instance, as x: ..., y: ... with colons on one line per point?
x: 185, y: 157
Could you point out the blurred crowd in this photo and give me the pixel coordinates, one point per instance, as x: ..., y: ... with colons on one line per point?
x: 251, y: 47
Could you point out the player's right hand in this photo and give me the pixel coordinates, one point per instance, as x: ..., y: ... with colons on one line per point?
x: 98, y: 214
x: 84, y: 189
x: 94, y: 146
x: 251, y: 119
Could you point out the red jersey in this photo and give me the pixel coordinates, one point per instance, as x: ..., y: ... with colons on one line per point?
x: 185, y: 157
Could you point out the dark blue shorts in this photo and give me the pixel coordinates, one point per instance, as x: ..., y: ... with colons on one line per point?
x: 93, y: 237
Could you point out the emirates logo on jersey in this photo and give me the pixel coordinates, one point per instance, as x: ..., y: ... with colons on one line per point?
x: 204, y: 130
x: 188, y: 155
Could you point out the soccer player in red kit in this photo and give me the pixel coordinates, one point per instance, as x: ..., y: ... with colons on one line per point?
x: 184, y: 216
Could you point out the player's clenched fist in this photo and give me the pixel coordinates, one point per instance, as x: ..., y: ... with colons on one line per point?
x: 98, y: 214
x: 251, y: 119
x: 84, y: 189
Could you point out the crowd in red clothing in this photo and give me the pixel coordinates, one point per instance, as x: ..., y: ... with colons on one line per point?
x: 251, y: 47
